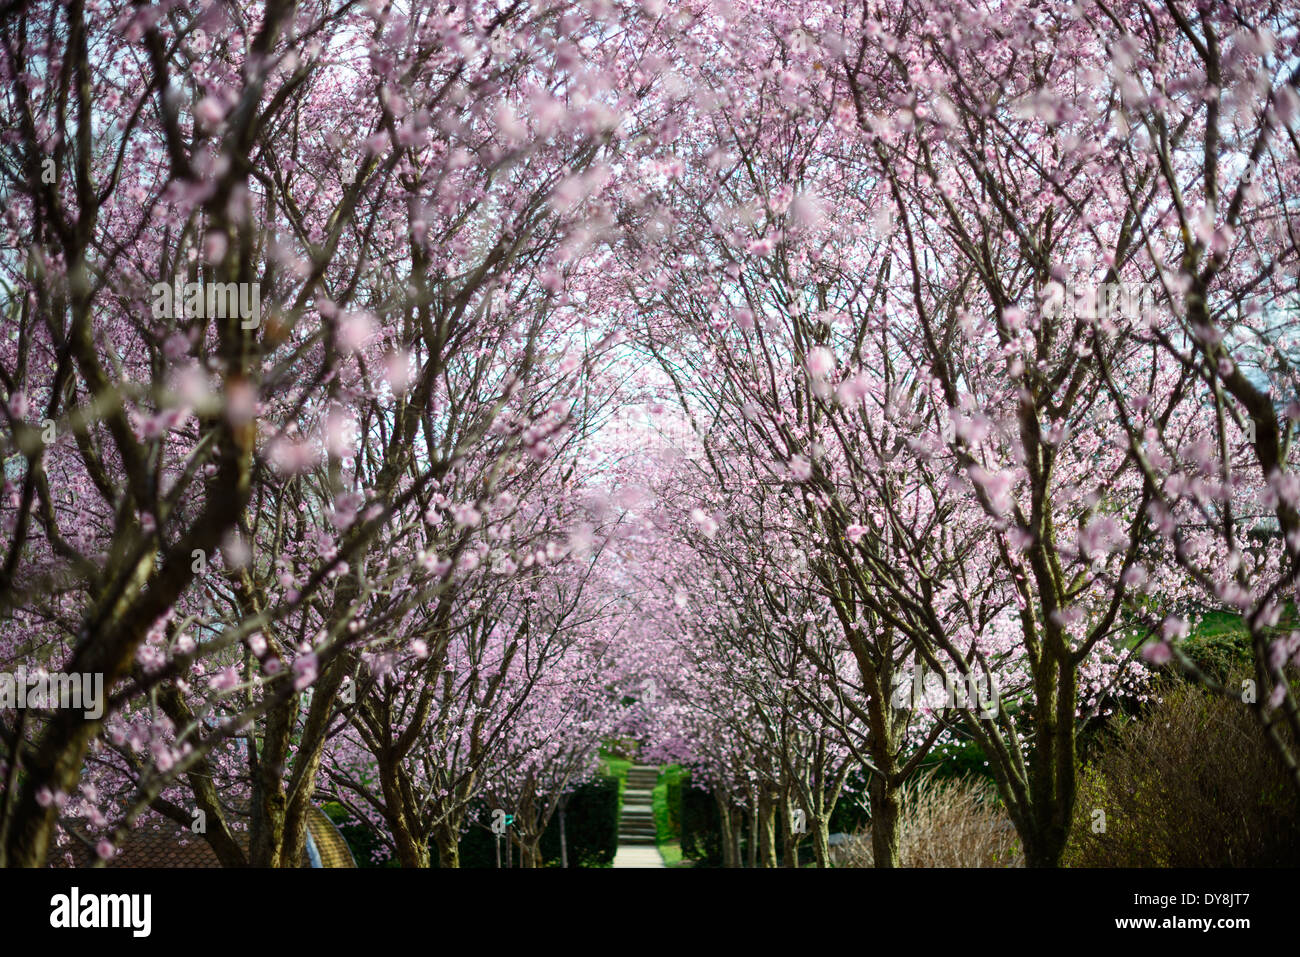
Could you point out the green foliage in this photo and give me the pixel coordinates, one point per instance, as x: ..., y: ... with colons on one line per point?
x: 613, y: 766
x: 673, y: 798
x: 623, y: 748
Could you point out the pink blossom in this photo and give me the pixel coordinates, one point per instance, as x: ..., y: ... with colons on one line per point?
x: 1173, y: 628
x: 224, y: 680
x: 209, y: 112
x: 304, y: 670
x: 820, y: 362
x: 354, y: 331
x: 1157, y: 652
x: 707, y: 526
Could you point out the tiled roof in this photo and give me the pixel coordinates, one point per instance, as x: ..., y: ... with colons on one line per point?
x: 158, y: 847
x: 330, y: 842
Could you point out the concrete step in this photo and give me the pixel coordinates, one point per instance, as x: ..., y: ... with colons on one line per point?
x: 637, y: 824
x: 637, y: 856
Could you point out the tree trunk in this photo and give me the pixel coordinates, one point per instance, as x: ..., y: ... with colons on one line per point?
x: 724, y: 830
x: 737, y: 836
x: 789, y: 840
x: 446, y: 837
x: 530, y: 854
x: 766, y: 830
x: 884, y: 823
x: 821, y: 842
x: 564, y: 844
x: 1052, y: 783
x: 751, y: 851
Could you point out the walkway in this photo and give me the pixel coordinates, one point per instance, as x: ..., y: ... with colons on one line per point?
x: 636, y: 827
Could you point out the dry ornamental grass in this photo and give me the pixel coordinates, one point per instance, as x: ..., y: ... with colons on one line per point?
x: 955, y: 822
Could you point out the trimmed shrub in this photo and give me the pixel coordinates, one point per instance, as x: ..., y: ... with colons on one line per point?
x: 1190, y: 783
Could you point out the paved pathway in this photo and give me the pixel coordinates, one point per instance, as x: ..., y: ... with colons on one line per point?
x: 636, y: 827
x: 629, y: 856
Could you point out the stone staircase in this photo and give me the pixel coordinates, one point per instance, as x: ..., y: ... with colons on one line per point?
x: 637, y: 825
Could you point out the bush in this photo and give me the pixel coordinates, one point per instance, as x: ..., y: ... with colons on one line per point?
x: 1190, y: 783
x: 946, y: 822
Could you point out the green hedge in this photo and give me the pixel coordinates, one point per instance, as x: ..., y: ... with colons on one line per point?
x: 591, y: 830
x: 590, y: 826
x: 478, y: 843
x: 701, y: 826
x: 674, y: 803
